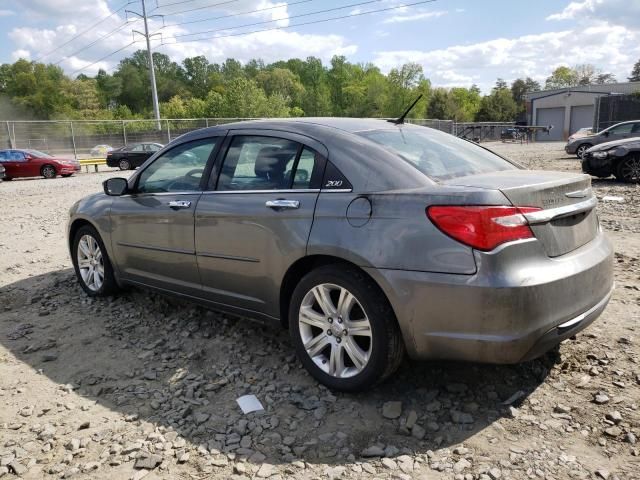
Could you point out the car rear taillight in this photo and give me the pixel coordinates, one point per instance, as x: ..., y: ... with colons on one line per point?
x: 482, y: 227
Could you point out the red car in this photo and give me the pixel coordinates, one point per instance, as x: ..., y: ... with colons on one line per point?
x: 32, y: 163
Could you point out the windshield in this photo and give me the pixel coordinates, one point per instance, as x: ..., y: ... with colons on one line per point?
x: 38, y: 154
x: 438, y: 155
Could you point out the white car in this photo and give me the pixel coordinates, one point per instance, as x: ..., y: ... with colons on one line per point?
x: 100, y: 150
x: 582, y: 132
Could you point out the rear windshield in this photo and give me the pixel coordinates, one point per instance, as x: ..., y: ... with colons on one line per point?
x: 438, y: 155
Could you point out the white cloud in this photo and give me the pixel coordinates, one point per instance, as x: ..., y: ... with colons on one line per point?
x: 617, y: 12
x: 414, y: 17
x: 18, y: 54
x: 612, y: 48
x: 6, y: 13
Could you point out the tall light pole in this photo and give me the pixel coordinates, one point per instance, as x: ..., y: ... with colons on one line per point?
x: 152, y: 73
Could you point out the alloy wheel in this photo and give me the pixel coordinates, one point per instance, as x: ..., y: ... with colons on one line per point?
x: 581, y: 151
x: 335, y: 330
x: 48, y: 171
x: 630, y: 169
x: 90, y: 262
x: 124, y: 165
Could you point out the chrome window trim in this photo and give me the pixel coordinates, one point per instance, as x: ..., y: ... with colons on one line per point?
x: 283, y: 190
x: 543, y: 216
x: 162, y: 194
x: 336, y: 190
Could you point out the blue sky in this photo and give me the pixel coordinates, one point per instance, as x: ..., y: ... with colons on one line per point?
x: 458, y: 42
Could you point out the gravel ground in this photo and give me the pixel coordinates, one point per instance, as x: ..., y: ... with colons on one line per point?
x: 144, y: 386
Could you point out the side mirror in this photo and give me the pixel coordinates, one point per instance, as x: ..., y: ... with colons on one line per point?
x: 115, y: 186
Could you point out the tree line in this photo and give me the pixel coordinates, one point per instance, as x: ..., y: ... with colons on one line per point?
x: 197, y: 88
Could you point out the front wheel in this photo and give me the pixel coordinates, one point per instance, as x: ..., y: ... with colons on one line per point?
x: 124, y: 164
x: 91, y: 263
x: 343, y: 328
x: 582, y: 149
x: 48, y: 171
x: 628, y: 170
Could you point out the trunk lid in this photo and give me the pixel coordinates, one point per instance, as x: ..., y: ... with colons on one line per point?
x: 567, y: 220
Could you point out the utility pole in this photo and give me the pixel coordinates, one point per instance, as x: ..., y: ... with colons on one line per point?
x: 152, y: 73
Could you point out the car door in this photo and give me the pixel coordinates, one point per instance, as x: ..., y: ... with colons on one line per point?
x: 619, y: 132
x: 152, y: 227
x: 20, y: 166
x: 137, y: 155
x: 256, y: 222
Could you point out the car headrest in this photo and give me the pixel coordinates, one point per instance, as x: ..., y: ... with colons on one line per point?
x: 272, y: 162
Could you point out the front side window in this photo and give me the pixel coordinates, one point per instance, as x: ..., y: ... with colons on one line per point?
x: 179, y: 169
x: 438, y: 155
x: 4, y: 157
x: 265, y: 163
x: 150, y: 147
x: 621, y: 129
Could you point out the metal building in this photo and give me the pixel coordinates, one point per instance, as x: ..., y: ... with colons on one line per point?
x: 569, y: 109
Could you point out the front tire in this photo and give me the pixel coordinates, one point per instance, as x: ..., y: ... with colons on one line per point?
x: 124, y: 164
x: 628, y: 169
x: 91, y: 263
x: 7, y: 179
x: 582, y: 149
x: 48, y: 171
x: 344, y: 329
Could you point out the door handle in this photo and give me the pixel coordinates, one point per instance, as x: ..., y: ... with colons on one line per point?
x: 176, y: 204
x: 282, y: 204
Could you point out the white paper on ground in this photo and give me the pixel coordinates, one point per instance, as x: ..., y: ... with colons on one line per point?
x: 249, y: 403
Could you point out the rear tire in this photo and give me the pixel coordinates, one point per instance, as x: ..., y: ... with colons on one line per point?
x: 628, y: 169
x: 580, y: 151
x: 355, y: 351
x: 91, y: 263
x: 7, y: 179
x: 124, y: 164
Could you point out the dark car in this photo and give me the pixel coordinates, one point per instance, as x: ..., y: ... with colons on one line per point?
x: 620, y: 158
x: 364, y: 237
x: 619, y: 131
x: 132, y: 156
x: 33, y: 163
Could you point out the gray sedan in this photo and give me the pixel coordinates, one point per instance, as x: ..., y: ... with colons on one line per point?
x: 364, y: 238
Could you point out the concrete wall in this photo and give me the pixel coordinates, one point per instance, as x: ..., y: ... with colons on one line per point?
x: 565, y: 100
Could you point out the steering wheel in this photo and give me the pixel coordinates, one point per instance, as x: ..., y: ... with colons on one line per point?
x: 187, y: 181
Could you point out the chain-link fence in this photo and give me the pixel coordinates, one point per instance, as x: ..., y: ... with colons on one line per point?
x: 79, y: 138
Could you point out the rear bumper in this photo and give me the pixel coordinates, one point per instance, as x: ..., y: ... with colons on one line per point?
x: 517, y: 306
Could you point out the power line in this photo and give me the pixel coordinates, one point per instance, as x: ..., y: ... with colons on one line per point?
x: 278, y: 19
x: 103, y: 58
x: 200, y: 20
x: 108, y: 34
x: 200, y: 8
x: 82, y: 32
x: 324, y: 20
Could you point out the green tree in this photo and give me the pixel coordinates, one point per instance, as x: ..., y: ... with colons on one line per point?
x: 497, y: 107
x: 562, y: 77
x: 635, y: 73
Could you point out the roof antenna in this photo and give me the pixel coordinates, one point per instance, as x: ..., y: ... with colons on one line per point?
x: 400, y: 119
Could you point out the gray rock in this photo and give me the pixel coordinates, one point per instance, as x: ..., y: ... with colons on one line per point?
x: 148, y: 461
x: 150, y: 375
x: 613, y: 431
x: 418, y: 432
x: 17, y: 468
x: 412, y: 418
x: 601, y: 398
x: 392, y: 410
x: 615, y: 416
x: 461, y: 465
x: 372, y: 451
x: 265, y: 471
x: 389, y: 464
x: 460, y: 417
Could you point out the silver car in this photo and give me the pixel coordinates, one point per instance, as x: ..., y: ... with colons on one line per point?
x: 364, y: 238
x: 619, y: 131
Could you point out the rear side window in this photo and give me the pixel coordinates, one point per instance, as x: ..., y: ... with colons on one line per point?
x: 268, y: 163
x: 440, y: 156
